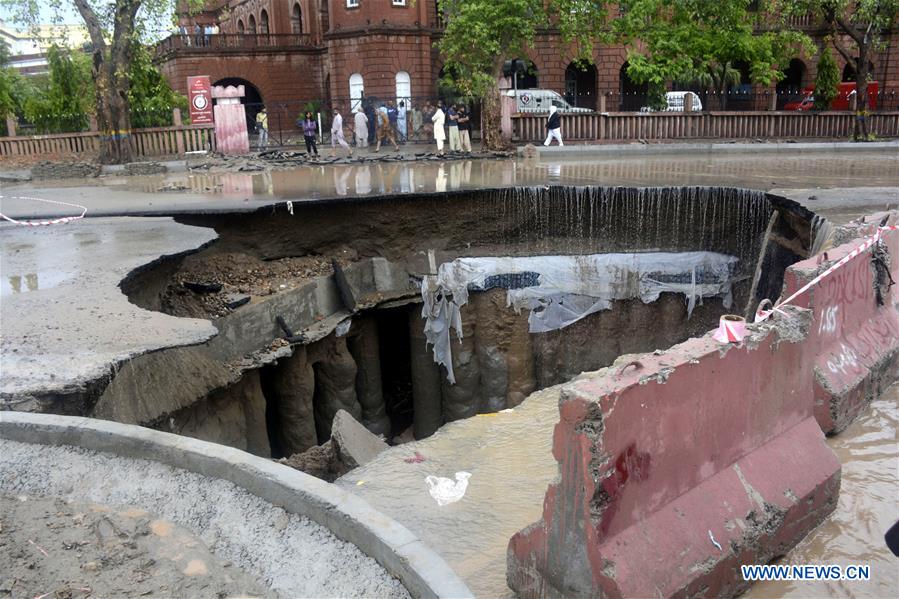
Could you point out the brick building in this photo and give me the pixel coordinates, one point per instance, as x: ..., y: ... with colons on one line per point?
x: 295, y: 51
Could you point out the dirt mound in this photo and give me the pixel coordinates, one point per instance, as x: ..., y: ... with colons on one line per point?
x: 209, y: 284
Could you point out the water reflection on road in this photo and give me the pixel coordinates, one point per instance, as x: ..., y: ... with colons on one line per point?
x: 376, y: 178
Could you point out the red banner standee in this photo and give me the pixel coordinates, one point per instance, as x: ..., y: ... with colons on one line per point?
x: 199, y: 94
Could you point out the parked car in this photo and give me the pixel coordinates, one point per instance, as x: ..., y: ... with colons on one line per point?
x: 675, y: 102
x: 845, y: 92
x: 539, y: 100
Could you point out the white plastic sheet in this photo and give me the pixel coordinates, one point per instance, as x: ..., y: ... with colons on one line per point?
x: 446, y: 490
x: 560, y: 290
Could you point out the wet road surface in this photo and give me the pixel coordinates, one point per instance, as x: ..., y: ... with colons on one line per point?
x: 202, y: 191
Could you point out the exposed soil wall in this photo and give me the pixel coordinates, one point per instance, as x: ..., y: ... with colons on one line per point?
x: 380, y: 370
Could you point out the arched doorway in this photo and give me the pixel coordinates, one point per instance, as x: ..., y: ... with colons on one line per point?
x: 296, y: 18
x: 263, y: 22
x: 789, y: 89
x: 252, y: 98
x: 632, y: 95
x: 251, y: 25
x: 357, y: 90
x: 849, y: 72
x: 580, y: 85
x: 240, y: 27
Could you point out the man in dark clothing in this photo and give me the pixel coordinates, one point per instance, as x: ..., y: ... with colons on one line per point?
x: 464, y: 129
x: 554, y: 127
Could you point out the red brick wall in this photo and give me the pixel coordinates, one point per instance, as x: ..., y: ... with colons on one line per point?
x: 378, y: 12
x: 279, y: 76
x: 378, y: 57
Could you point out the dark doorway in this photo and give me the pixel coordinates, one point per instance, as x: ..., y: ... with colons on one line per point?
x: 789, y: 89
x: 529, y: 78
x: 252, y: 98
x: 580, y: 85
x: 632, y: 95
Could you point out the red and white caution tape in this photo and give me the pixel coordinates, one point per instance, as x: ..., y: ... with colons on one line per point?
x: 762, y: 314
x: 43, y: 223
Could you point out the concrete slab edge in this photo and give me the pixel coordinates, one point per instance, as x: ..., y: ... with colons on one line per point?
x: 692, y: 149
x: 423, y: 572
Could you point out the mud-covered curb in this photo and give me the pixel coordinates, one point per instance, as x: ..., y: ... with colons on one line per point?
x: 348, y: 517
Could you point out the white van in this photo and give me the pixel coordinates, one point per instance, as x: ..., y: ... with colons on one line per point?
x: 675, y: 101
x: 539, y: 100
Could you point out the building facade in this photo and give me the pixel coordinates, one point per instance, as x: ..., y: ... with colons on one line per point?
x: 298, y: 51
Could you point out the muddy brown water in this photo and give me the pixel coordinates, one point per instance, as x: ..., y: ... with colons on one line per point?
x: 868, y: 506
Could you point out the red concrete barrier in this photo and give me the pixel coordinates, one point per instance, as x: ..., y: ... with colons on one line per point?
x: 855, y: 337
x: 679, y: 468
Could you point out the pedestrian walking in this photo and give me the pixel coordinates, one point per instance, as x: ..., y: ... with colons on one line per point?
x: 554, y: 127
x: 401, y: 124
x: 452, y: 124
x: 465, y: 129
x: 439, y: 134
x: 337, y: 134
x: 385, y: 129
x: 262, y: 128
x: 393, y: 115
x: 310, y: 128
x: 361, y: 123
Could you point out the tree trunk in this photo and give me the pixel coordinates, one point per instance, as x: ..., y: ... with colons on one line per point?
x: 491, y: 121
x: 860, y: 126
x: 113, y: 114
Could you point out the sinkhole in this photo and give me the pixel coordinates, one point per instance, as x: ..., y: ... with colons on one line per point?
x: 410, y: 312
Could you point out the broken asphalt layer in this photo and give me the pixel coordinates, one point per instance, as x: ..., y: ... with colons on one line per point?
x: 66, y: 322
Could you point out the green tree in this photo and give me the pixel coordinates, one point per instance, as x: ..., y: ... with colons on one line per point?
x: 481, y: 34
x: 150, y: 96
x: 858, y: 29
x: 64, y: 102
x: 827, y: 80
x: 7, y: 84
x: 701, y: 42
x: 115, y: 28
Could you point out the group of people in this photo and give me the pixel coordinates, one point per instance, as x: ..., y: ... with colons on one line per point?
x: 386, y: 123
x: 390, y: 123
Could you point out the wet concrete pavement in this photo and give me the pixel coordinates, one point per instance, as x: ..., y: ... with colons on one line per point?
x: 65, y: 320
x: 804, y: 174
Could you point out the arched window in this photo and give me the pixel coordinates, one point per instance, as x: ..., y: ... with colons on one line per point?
x: 403, y: 88
x: 356, y: 91
x: 263, y: 22
x: 240, y: 27
x: 251, y: 22
x: 296, y: 19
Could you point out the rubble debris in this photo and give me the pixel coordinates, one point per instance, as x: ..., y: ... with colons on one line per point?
x: 202, y: 287
x: 64, y: 170
x: 145, y: 168
x: 354, y: 444
x: 286, y: 159
x: 351, y: 445
x: 236, y: 300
